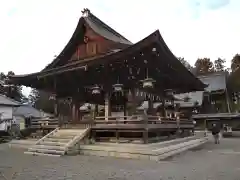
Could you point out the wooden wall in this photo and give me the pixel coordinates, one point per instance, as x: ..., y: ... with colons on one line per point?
x: 95, y: 45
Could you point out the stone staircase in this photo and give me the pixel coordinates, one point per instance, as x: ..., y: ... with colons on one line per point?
x: 59, y: 142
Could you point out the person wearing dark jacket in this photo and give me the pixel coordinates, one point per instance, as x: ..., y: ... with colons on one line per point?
x: 215, y: 133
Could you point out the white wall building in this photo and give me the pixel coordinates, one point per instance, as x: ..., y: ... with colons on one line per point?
x: 7, y: 106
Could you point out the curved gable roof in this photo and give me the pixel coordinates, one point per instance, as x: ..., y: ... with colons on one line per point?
x: 192, y: 83
x: 98, y: 27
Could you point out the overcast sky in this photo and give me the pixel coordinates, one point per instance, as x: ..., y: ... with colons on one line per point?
x: 33, y: 31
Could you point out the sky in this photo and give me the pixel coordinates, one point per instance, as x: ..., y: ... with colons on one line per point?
x: 32, y: 32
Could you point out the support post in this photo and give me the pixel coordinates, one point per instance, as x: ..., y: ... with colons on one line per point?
x: 95, y: 111
x: 145, y: 132
x: 163, y: 107
x: 55, y: 108
x: 125, y: 106
x: 107, y: 99
x: 73, y: 112
x: 133, y: 103
x: 227, y: 101
x: 77, y: 112
x: 150, y: 106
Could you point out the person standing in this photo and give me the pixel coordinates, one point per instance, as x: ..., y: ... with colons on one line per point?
x: 215, y: 133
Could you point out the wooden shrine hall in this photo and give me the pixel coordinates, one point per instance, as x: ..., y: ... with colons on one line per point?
x: 101, y: 67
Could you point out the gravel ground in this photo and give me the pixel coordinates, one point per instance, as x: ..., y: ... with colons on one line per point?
x: 209, y: 162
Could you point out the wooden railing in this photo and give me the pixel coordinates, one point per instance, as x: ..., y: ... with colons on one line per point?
x: 44, y: 123
x: 136, y: 119
x: 77, y: 138
x: 88, y: 122
x: 46, y: 136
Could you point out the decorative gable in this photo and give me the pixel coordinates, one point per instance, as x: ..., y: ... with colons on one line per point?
x: 93, y: 45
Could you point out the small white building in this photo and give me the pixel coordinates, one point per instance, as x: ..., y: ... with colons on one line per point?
x: 7, y: 107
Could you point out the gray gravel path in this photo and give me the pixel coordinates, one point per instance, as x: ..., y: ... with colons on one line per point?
x: 210, y: 162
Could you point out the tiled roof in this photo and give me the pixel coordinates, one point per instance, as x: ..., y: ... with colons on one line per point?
x: 8, y: 101
x: 215, y: 81
x: 29, y: 111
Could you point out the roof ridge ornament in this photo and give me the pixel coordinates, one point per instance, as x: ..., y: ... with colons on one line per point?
x: 85, y: 12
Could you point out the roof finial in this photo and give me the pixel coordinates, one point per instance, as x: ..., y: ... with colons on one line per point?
x: 85, y: 12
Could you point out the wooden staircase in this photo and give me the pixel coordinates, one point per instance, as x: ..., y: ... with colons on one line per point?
x: 58, y: 142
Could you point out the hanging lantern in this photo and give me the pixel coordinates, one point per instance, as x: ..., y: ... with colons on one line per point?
x: 154, y: 49
x: 96, y: 90
x: 52, y: 97
x: 118, y: 87
x: 169, y: 92
x: 148, y: 83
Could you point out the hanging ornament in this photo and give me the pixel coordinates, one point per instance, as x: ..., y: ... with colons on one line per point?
x: 154, y: 49
x: 118, y: 87
x: 148, y: 82
x: 169, y: 92
x: 52, y: 97
x: 96, y: 90
x: 86, y: 39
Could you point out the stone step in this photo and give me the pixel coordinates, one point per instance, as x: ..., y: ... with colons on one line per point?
x: 56, y: 140
x: 61, y: 136
x: 50, y: 143
x: 19, y: 146
x: 67, y: 134
x: 47, y: 151
x: 41, y: 154
x: 70, y: 131
x: 41, y: 146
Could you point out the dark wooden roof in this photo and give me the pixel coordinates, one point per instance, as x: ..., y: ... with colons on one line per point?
x: 171, y: 71
x: 98, y: 27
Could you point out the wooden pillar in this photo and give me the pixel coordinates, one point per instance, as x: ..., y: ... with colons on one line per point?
x: 95, y: 111
x: 125, y: 108
x: 150, y: 106
x: 132, y: 100
x: 77, y: 111
x: 107, y: 99
x: 73, y: 112
x: 227, y: 101
x: 145, y: 132
x: 55, y: 108
x: 163, y: 107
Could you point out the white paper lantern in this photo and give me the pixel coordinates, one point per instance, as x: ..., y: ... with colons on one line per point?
x: 118, y: 87
x: 148, y: 83
x: 96, y: 90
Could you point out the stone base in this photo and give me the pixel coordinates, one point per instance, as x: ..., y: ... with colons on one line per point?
x: 156, y: 151
x: 153, y: 151
x: 22, y: 144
